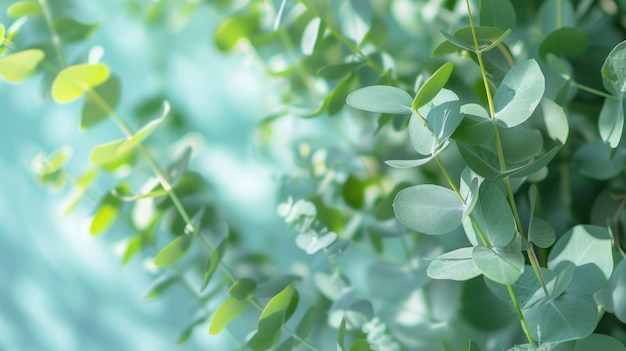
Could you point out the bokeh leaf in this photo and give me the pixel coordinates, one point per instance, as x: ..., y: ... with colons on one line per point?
x: 226, y: 313
x: 93, y: 111
x: 20, y: 65
x: 24, y: 8
x: 429, y: 209
x: 171, y: 253
x: 519, y: 94
x: 74, y: 81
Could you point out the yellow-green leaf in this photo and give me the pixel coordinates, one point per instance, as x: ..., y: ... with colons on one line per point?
x: 144, y: 132
x: 228, y: 310
x: 173, y: 251
x: 74, y: 81
x: 104, y: 217
x: 24, y: 8
x: 106, y: 153
x: 273, y: 315
x: 20, y: 65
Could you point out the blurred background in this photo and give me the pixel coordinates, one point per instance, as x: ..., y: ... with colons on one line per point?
x: 63, y: 289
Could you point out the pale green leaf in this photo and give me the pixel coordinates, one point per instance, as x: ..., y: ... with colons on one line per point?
x: 106, y: 153
x: 433, y: 85
x: 97, y: 109
x: 429, y: 209
x: 493, y: 215
x: 103, y: 219
x: 435, y: 122
x: 226, y: 313
x: 502, y: 265
x: 24, y: 8
x: 382, y: 99
x: 20, y: 65
x: 74, y: 81
x: 497, y: 13
x: 590, y: 249
x: 612, y: 296
x: 519, y: 94
x: 454, y: 265
x: 144, y: 132
x: 173, y: 251
x: 159, y: 286
x: 476, y: 127
x: 611, y: 121
x: 274, y: 314
x: 614, y: 71
x: 564, y: 318
x: 598, y: 161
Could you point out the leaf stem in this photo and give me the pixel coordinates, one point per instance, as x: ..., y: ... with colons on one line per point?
x: 593, y: 91
x: 56, y: 40
x: 521, y: 316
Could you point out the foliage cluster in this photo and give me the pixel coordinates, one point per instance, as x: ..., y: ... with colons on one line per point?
x: 476, y: 191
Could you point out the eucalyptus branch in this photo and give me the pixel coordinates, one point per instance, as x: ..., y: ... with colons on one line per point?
x: 56, y: 40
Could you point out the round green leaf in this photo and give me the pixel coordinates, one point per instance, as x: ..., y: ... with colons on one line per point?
x: 567, y: 317
x: 433, y: 85
x: 476, y: 126
x: 520, y: 143
x: 598, y: 161
x: 611, y: 121
x: 74, y: 81
x: 436, y: 122
x: 590, y: 248
x: 612, y: 296
x: 614, y: 71
x: 599, y: 342
x: 93, y: 112
x: 493, y: 215
x: 429, y: 209
x: 24, y: 8
x: 497, y: 13
x: 382, y: 99
x: 502, y: 265
x: 20, y: 65
x: 567, y: 42
x: 519, y: 94
x: 454, y: 265
x: 541, y: 233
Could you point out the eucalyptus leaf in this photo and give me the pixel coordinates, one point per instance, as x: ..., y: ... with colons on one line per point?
x: 94, y: 111
x: 74, y: 81
x: 614, y: 71
x: 611, y: 121
x: 173, y: 251
x: 612, y: 296
x: 435, y: 122
x: 274, y: 314
x: 497, y: 13
x: 429, y: 209
x: 20, y: 65
x: 502, y: 265
x: 24, y: 8
x: 567, y: 317
x: 144, y: 132
x: 433, y: 85
x: 476, y: 127
x: 226, y: 313
x: 564, y: 42
x: 493, y: 215
x: 71, y: 30
x: 598, y: 161
x: 381, y: 98
x: 519, y: 94
x: 454, y: 265
x: 212, y: 263
x: 590, y: 249
x: 554, y: 14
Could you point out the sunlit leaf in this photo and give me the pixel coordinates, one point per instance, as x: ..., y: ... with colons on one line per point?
x: 274, y: 314
x: 454, y: 265
x: 144, y: 132
x: 433, y: 85
x: 502, y: 265
x: 93, y: 110
x: 226, y: 313
x: 493, y: 215
x: 611, y: 121
x: 381, y: 98
x: 429, y: 209
x: 590, y: 249
x: 339, y: 70
x: 107, y: 153
x: 212, y: 263
x: 564, y: 318
x: 171, y: 253
x: 519, y: 94
x: 74, y: 81
x: 235, y: 28
x: 24, y: 8
x: 159, y: 286
x: 20, y: 65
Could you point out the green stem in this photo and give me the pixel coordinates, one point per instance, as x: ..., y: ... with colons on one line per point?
x: 56, y: 40
x: 521, y: 316
x: 593, y: 91
x: 559, y: 13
